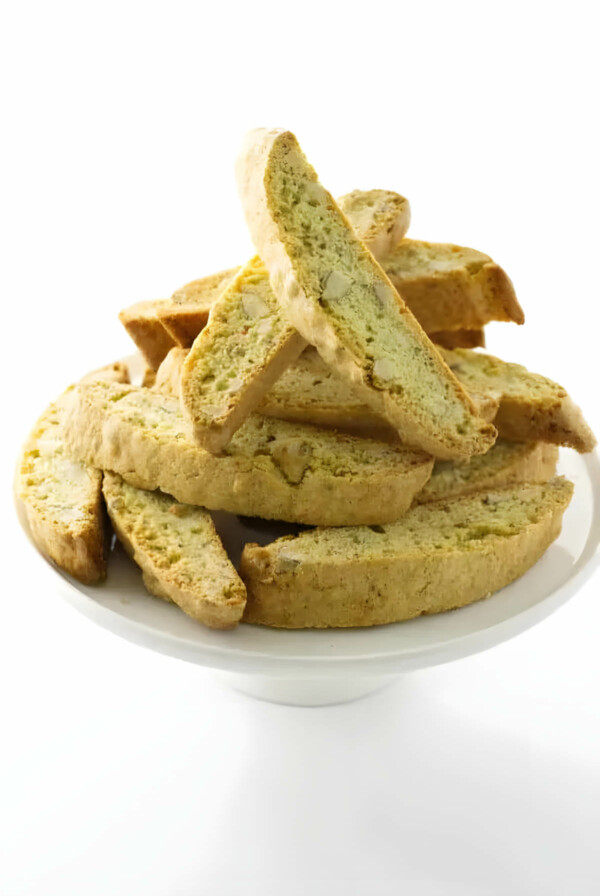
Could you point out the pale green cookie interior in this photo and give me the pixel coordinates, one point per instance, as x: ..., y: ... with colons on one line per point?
x: 245, y: 328
x: 478, y: 371
x: 179, y: 538
x: 335, y: 269
x: 58, y: 486
x: 463, y: 524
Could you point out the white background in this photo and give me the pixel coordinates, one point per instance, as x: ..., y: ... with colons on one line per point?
x: 127, y: 772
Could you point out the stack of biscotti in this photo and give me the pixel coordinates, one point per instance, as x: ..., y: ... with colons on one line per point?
x: 330, y: 381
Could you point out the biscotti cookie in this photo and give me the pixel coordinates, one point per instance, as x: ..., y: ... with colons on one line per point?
x: 168, y: 375
x: 149, y: 375
x: 62, y: 499
x: 117, y: 372
x: 438, y: 557
x: 531, y: 407
x: 146, y: 330
x: 272, y: 469
x: 380, y: 217
x: 179, y: 552
x: 311, y: 392
x: 506, y: 463
x: 451, y: 287
x: 340, y: 300
x: 458, y: 338
x: 233, y: 362
x: 384, y: 216
x: 523, y: 406
x: 249, y: 342
x: 448, y: 288
x: 187, y: 311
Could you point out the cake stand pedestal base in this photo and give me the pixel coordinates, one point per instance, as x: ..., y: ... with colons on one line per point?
x: 306, y: 691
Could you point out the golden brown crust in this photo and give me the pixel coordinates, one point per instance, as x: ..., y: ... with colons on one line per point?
x: 183, y: 322
x: 531, y: 407
x: 142, y: 323
x: 149, y: 375
x: 439, y: 557
x: 187, y: 311
x: 62, y: 499
x: 466, y: 292
x: 459, y: 338
x: 78, y: 552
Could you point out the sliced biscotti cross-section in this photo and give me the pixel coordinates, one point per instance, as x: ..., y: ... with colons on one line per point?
x: 380, y: 217
x: 271, y: 468
x: 531, y: 407
x: 249, y: 342
x: 236, y: 358
x: 462, y: 287
x: 438, y: 557
x: 340, y: 300
x: 61, y: 497
x: 506, y: 463
x: 179, y: 552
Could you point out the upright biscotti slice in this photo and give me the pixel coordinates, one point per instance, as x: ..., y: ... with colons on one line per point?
x: 506, y: 463
x: 158, y: 325
x: 142, y: 323
x: 179, y: 552
x: 249, y: 342
x: 531, y: 407
x: 380, y: 217
x: 340, y: 300
x: 271, y: 468
x: 61, y: 497
x: 236, y: 358
x: 459, y: 286
x: 438, y: 557
x: 448, y: 288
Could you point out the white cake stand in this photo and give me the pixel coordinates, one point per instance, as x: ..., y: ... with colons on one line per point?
x: 313, y: 668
